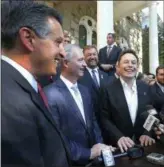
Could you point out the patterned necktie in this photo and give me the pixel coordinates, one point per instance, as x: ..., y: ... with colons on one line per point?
x: 43, y: 96
x: 95, y: 78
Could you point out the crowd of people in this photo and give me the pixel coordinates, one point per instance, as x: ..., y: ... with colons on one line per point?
x: 62, y: 105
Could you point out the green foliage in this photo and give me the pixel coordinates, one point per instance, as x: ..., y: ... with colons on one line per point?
x: 145, y: 46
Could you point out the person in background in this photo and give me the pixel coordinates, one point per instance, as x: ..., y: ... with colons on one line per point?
x: 67, y: 38
x: 122, y: 103
x: 108, y: 55
x: 71, y: 106
x: 157, y: 90
x: 31, y: 36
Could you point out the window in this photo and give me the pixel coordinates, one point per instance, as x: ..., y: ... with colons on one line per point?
x: 94, y: 38
x: 82, y: 36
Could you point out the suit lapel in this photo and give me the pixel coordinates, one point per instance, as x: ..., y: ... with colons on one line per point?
x: 158, y: 90
x: 85, y: 105
x: 70, y: 101
x: 101, y: 77
x: 89, y: 77
x: 23, y: 83
x: 121, y: 102
x: 141, y: 95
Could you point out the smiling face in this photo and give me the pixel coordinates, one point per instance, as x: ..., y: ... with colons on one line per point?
x: 91, y: 57
x: 46, y: 50
x: 77, y: 65
x: 160, y: 76
x: 128, y: 66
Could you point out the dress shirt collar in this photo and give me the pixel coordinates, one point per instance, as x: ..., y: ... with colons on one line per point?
x: 67, y: 82
x: 26, y: 74
x: 90, y: 69
x: 125, y: 85
x: 117, y: 76
x: 110, y: 46
x: 161, y: 87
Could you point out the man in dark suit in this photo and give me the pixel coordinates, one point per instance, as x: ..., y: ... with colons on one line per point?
x: 157, y: 90
x: 108, y: 55
x: 123, y: 101
x: 93, y: 77
x: 31, y: 39
x: 71, y: 107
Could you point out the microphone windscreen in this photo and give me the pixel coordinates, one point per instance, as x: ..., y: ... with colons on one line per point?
x: 149, y: 107
x: 144, y: 115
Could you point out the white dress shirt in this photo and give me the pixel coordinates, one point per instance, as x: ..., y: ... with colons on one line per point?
x: 131, y: 96
x: 96, y: 73
x: 26, y: 74
x: 77, y: 98
x: 161, y: 87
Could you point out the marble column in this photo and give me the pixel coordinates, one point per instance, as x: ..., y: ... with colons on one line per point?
x: 104, y: 21
x: 153, y: 38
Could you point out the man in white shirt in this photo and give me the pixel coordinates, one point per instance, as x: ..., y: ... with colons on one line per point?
x: 71, y: 106
x: 32, y: 38
x: 123, y: 101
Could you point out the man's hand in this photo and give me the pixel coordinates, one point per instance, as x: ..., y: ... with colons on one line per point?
x: 96, y: 150
x: 158, y: 131
x: 124, y: 143
x: 146, y: 140
x: 106, y: 67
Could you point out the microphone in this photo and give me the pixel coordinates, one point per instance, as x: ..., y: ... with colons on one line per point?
x: 108, y: 158
x: 152, y: 121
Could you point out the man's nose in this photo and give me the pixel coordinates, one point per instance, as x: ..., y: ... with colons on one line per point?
x: 84, y: 63
x: 62, y: 51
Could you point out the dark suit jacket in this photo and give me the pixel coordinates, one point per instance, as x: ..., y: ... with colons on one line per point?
x: 29, y: 133
x: 115, y: 113
x: 112, y: 59
x: 88, y: 82
x: 79, y: 136
x: 157, y: 97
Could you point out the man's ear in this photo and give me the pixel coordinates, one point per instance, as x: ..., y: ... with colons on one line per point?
x: 27, y: 38
x: 65, y: 63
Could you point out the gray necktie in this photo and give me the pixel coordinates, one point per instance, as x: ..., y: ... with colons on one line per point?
x: 109, y: 48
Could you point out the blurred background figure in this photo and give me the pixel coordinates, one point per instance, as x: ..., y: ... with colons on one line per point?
x: 157, y: 90
x: 67, y: 37
x: 108, y: 55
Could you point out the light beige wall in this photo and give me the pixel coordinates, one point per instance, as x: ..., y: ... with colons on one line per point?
x: 72, y: 13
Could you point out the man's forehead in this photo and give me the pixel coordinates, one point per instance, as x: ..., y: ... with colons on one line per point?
x: 161, y: 71
x: 56, y: 28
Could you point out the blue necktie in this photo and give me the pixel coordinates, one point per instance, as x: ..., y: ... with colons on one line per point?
x: 94, y: 78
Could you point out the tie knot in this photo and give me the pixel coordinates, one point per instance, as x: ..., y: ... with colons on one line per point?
x: 93, y: 71
x: 74, y: 87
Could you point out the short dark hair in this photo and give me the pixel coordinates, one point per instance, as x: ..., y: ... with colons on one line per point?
x: 148, y: 73
x: 18, y: 14
x: 112, y: 34
x: 131, y: 51
x: 87, y: 47
x: 159, y: 68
